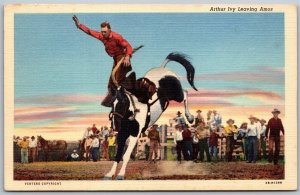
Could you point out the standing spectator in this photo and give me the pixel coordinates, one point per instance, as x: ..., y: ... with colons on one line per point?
x: 213, y: 144
x: 105, y: 132
x: 105, y: 148
x: 210, y: 118
x: 74, y: 156
x: 243, y: 134
x: 203, y: 135
x: 252, y: 130
x: 33, y: 148
x: 195, y: 147
x: 199, y: 119
x: 230, y: 130
x: 88, y: 132
x: 17, y: 150
x: 217, y: 119
x: 153, y: 135
x: 94, y: 129
x: 257, y: 122
x: 24, y: 145
x: 178, y: 139
x: 180, y: 119
x: 87, y: 147
x: 111, y: 146
x: 263, y: 138
x: 187, y: 143
x: 274, y: 127
x: 95, y: 148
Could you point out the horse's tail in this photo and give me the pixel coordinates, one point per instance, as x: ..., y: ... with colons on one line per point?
x: 184, y: 61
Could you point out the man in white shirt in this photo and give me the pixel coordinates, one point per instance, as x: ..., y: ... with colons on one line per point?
x: 252, y: 131
x: 178, y: 139
x: 33, y: 149
x: 88, y: 132
x: 95, y: 148
x: 74, y: 156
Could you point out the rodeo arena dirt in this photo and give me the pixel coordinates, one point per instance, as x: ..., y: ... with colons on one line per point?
x: 206, y: 150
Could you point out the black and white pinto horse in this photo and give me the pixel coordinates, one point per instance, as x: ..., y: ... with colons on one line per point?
x: 147, y: 112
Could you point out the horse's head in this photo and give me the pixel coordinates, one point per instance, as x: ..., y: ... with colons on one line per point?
x: 120, y: 107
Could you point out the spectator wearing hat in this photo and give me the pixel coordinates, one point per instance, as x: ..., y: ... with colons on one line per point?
x: 257, y: 122
x: 24, y: 145
x: 95, y: 148
x: 153, y: 135
x: 33, y: 149
x: 230, y: 130
x: 187, y: 143
x: 263, y: 138
x: 217, y: 119
x: 243, y: 134
x: 199, y: 119
x: 178, y: 140
x: 253, y: 134
x: 203, y: 135
x: 74, y: 156
x: 273, y: 130
x: 180, y: 119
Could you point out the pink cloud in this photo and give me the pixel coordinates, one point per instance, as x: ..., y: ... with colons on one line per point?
x: 60, y: 99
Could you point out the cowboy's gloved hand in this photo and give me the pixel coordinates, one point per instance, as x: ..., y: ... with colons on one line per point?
x: 76, y: 20
x: 127, y: 61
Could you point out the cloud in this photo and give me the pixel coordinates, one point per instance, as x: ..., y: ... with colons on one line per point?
x: 60, y: 99
x: 259, y: 74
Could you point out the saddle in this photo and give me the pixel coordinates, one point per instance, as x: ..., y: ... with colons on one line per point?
x: 142, y: 88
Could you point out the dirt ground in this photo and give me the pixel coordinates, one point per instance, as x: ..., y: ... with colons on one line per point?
x: 137, y: 170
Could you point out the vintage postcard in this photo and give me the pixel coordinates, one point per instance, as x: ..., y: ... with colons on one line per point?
x: 115, y: 97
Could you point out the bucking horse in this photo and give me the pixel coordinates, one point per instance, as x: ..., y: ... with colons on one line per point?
x: 138, y: 104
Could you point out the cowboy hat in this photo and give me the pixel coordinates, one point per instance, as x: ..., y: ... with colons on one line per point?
x: 199, y: 111
x: 230, y: 120
x: 251, y: 116
x: 179, y: 112
x: 276, y: 111
x: 155, y: 125
x: 263, y: 120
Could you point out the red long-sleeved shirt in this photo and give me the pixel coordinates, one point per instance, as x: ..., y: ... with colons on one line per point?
x: 115, y: 44
x: 274, y: 126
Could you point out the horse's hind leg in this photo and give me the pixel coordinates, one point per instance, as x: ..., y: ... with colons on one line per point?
x: 188, y: 115
x: 126, y: 157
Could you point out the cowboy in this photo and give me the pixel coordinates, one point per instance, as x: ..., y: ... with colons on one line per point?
x: 180, y: 119
x: 153, y: 135
x: 178, y: 140
x: 118, y: 48
x: 33, y: 148
x: 24, y: 145
x: 203, y: 135
x: 230, y: 130
x: 217, y: 119
x: 253, y: 134
x: 274, y: 127
x: 94, y: 129
x: 199, y: 119
x: 74, y: 156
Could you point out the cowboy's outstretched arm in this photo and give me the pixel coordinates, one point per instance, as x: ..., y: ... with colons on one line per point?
x: 87, y: 30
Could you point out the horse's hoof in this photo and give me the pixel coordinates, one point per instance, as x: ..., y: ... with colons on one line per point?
x: 120, y: 177
x: 107, y: 178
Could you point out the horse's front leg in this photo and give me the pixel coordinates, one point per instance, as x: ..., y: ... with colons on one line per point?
x: 112, y: 172
x: 126, y: 157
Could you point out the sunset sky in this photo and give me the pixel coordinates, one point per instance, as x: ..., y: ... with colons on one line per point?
x: 61, y: 73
